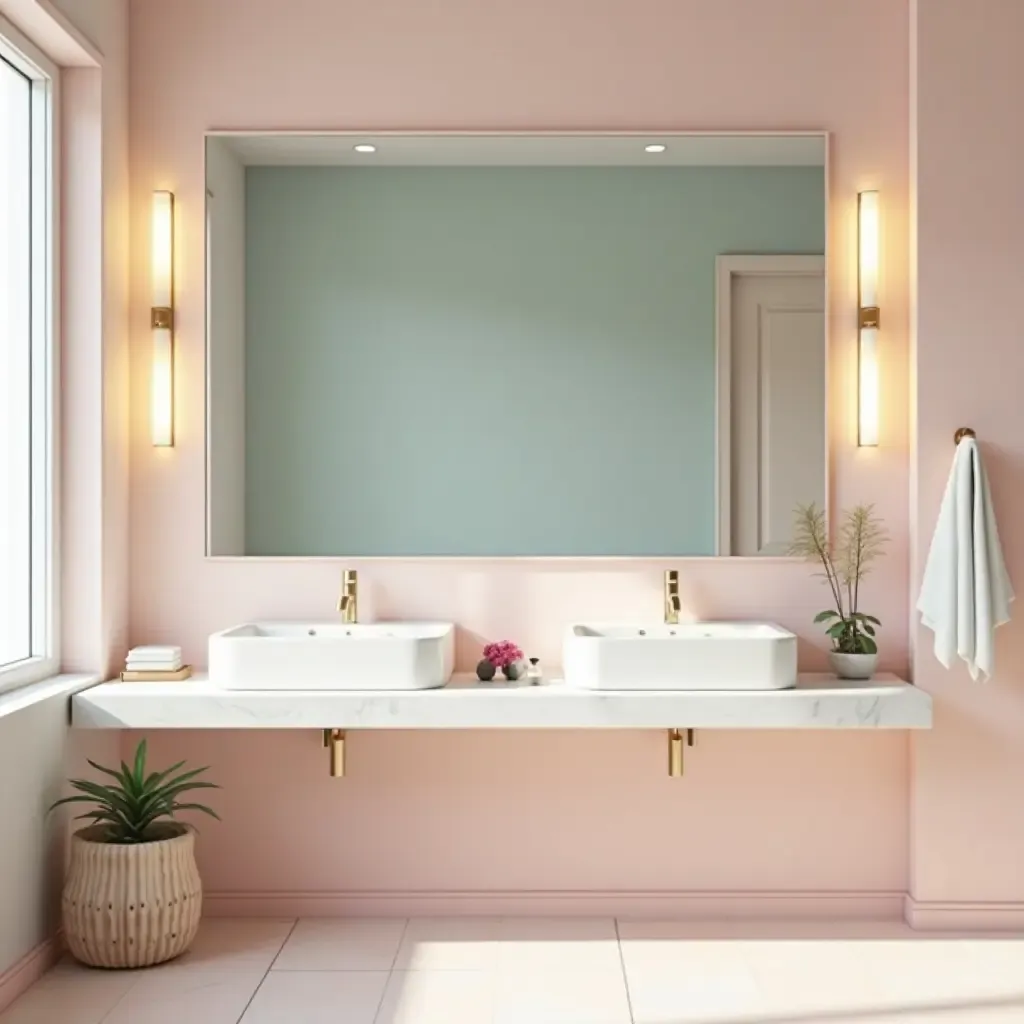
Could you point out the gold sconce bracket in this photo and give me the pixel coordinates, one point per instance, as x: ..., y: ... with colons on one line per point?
x: 675, y: 750
x: 161, y: 318
x: 869, y: 317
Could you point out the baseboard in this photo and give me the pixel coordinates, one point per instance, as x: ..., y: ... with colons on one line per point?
x: 963, y: 916
x: 631, y: 904
x: 29, y: 969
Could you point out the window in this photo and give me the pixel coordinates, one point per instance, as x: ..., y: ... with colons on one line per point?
x: 28, y: 579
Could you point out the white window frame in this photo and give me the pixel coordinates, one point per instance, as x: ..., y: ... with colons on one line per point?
x: 44, y: 660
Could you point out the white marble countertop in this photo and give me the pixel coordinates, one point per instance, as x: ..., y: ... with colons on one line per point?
x: 819, y: 701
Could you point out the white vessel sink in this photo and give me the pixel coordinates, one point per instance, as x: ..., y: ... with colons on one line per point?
x: 690, y: 656
x: 333, y: 656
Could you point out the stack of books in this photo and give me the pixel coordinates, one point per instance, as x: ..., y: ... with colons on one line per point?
x: 153, y: 664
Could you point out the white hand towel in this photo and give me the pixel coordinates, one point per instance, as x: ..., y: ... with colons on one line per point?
x: 171, y: 665
x: 966, y: 590
x: 154, y: 653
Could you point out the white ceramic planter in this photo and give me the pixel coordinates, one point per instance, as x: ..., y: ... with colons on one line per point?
x: 131, y: 905
x: 853, y: 666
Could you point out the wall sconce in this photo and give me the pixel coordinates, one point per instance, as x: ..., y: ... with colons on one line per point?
x: 868, y: 319
x: 161, y: 321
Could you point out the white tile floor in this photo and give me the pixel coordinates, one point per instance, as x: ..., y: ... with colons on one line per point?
x: 548, y: 971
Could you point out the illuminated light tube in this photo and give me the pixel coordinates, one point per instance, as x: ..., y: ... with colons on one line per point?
x: 867, y: 319
x: 162, y: 321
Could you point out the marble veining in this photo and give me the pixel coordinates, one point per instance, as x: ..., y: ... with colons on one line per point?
x: 819, y: 701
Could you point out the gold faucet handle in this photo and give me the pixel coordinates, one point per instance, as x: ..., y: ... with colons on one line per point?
x: 672, y: 602
x: 349, y: 590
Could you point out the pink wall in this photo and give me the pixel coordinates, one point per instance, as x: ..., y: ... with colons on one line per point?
x: 968, y: 821
x: 473, y: 812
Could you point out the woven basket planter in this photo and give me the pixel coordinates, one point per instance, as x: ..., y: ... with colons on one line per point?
x: 131, y: 905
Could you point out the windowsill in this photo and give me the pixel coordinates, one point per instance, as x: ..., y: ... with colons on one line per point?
x: 62, y: 685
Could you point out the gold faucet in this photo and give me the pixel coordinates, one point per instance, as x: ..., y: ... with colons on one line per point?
x: 348, y: 602
x: 672, y: 605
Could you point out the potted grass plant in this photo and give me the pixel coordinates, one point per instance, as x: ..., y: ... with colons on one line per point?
x: 862, y: 539
x: 132, y: 896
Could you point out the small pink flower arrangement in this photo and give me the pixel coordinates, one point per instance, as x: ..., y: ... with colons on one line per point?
x: 502, y: 653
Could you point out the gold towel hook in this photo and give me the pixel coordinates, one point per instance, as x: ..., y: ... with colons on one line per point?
x: 961, y: 433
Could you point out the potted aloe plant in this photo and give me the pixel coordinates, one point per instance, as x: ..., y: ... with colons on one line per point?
x: 862, y: 540
x: 132, y: 896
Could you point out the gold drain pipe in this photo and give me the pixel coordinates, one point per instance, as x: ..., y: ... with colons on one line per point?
x: 675, y: 750
x: 334, y: 740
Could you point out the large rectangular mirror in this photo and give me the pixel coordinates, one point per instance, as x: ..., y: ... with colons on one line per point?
x: 514, y: 345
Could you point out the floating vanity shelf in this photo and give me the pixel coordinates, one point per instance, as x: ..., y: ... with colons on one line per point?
x: 819, y: 701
